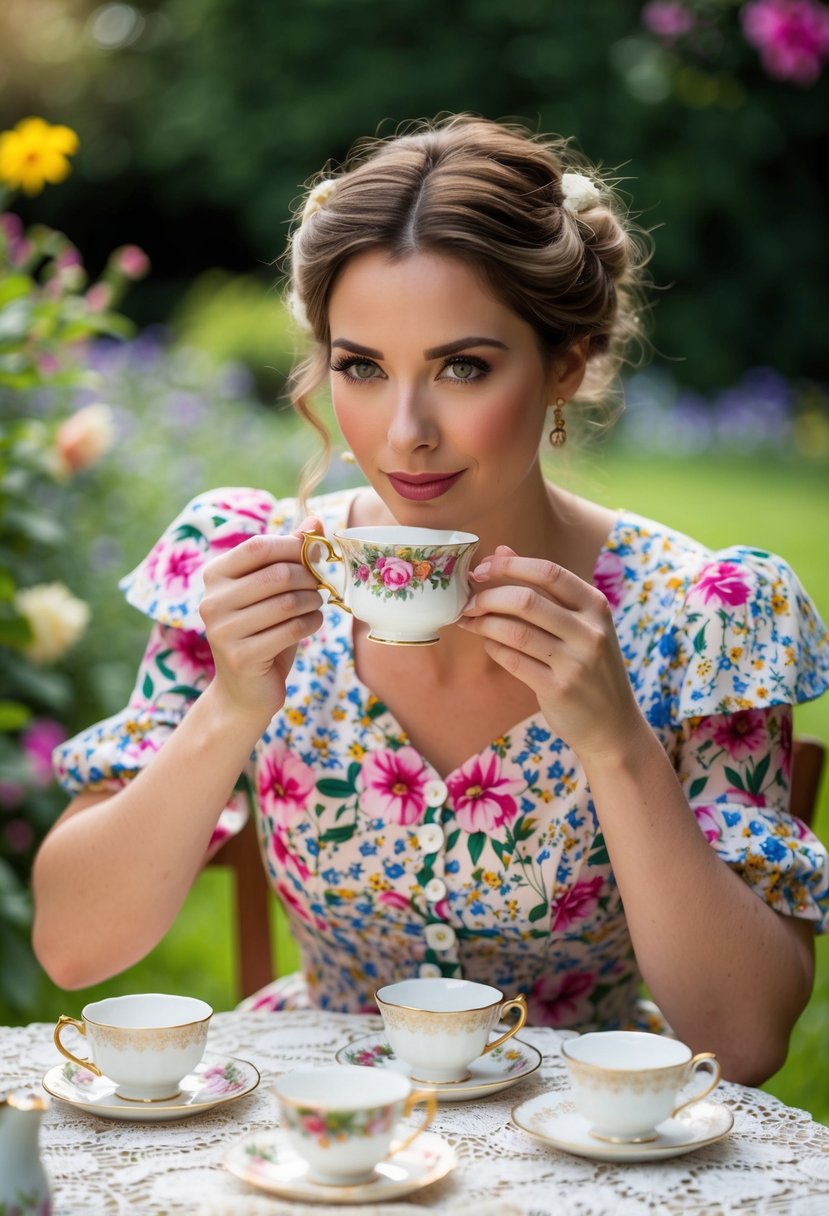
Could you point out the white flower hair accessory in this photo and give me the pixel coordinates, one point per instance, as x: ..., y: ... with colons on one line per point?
x: 580, y: 193
x: 318, y: 197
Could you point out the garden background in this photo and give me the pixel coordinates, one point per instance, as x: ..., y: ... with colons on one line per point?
x: 197, y: 123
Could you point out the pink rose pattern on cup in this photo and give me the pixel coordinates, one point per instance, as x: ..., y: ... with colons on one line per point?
x: 399, y: 575
x: 330, y: 1126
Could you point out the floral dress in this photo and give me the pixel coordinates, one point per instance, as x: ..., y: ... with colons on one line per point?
x: 496, y: 871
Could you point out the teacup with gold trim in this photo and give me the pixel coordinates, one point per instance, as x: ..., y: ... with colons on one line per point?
x: 626, y: 1082
x: 405, y: 583
x: 439, y: 1026
x: 146, y: 1043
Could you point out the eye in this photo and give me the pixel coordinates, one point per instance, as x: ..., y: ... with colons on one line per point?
x: 355, y: 368
x: 464, y: 368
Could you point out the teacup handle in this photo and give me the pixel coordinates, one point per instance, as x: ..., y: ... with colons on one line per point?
x: 335, y: 596
x: 64, y: 1021
x: 413, y: 1100
x: 518, y: 1002
x: 704, y: 1061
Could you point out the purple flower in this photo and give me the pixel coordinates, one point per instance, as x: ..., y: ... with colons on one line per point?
x: 792, y: 37
x: 39, y: 741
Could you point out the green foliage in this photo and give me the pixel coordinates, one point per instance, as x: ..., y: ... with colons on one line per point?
x: 222, y: 109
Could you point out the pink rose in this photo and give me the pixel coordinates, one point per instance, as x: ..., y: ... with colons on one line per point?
x: 397, y: 573
x: 362, y: 573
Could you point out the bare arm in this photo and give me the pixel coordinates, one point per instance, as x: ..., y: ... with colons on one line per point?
x: 730, y: 973
x: 113, y: 872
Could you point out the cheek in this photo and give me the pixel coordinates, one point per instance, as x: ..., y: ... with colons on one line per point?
x: 504, y: 421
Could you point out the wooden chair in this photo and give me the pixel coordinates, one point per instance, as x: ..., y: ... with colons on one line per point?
x: 255, y: 964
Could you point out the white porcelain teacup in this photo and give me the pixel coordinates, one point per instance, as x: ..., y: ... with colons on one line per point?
x: 341, y: 1119
x: 406, y: 583
x: 625, y: 1083
x: 146, y: 1043
x: 439, y: 1026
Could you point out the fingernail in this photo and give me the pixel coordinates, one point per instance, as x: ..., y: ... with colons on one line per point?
x: 507, y: 550
x: 482, y: 571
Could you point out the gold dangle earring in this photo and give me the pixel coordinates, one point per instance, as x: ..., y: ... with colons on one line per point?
x: 558, y: 435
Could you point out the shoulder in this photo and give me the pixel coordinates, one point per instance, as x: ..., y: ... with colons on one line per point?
x: 168, y: 584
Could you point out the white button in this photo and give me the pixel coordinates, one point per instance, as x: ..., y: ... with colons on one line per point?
x: 434, y: 890
x: 430, y: 837
x: 429, y: 971
x: 440, y: 937
x: 435, y: 792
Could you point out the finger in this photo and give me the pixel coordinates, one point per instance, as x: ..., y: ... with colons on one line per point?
x: 254, y: 554
x: 530, y: 671
x: 231, y: 595
x: 311, y: 523
x: 257, y: 618
x: 556, y: 581
x: 519, y: 635
x: 529, y: 607
x: 267, y: 645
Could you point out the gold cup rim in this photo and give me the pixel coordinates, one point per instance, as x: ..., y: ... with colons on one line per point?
x: 442, y: 1012
x: 167, y: 1026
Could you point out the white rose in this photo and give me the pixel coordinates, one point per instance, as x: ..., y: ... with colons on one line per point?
x: 83, y: 438
x: 56, y: 617
x: 580, y: 193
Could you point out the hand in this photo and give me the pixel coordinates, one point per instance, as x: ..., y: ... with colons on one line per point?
x: 553, y: 631
x: 259, y: 601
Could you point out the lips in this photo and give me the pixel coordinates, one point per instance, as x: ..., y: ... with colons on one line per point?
x: 418, y: 487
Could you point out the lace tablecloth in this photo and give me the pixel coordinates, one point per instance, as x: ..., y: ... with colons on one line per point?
x: 776, y: 1159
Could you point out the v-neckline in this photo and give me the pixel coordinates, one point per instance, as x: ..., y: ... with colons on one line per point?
x: 348, y: 638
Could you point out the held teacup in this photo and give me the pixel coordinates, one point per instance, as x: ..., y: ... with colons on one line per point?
x: 625, y: 1083
x: 145, y: 1043
x: 341, y: 1118
x: 406, y: 583
x: 439, y: 1026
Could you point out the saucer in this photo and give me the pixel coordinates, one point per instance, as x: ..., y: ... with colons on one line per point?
x: 216, y: 1080
x: 496, y: 1070
x: 552, y: 1118
x: 266, y: 1160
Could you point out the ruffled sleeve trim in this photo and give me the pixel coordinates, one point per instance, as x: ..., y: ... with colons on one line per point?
x: 747, y: 636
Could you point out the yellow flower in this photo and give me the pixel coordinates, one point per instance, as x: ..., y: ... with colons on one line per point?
x: 297, y: 716
x: 56, y: 617
x: 34, y: 153
x: 338, y: 713
x: 734, y: 653
x: 356, y: 751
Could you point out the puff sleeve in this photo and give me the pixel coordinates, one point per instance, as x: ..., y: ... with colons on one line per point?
x: 177, y: 664
x: 748, y: 645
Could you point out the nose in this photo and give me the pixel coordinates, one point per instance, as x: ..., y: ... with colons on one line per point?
x: 412, y: 425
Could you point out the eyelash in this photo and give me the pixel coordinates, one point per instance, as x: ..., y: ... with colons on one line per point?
x: 343, y: 364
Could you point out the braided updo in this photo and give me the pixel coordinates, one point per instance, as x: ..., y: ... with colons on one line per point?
x: 492, y: 195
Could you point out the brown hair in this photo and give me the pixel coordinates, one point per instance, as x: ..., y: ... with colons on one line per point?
x: 491, y: 195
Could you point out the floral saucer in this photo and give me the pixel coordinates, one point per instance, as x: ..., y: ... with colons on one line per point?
x: 218, y: 1079
x: 266, y: 1160
x: 553, y: 1118
x: 496, y: 1070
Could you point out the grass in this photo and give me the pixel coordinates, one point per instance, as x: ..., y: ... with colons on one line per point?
x: 780, y: 506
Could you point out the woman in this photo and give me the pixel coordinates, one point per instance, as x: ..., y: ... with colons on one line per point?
x: 585, y: 783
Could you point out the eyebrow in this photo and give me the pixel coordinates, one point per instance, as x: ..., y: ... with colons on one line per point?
x: 434, y: 352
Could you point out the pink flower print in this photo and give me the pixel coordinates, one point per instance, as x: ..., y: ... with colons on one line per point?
x: 229, y: 540
x: 397, y: 573
x: 285, y: 783
x: 181, y: 566
x: 609, y: 577
x: 449, y: 565
x: 576, y: 904
x: 792, y: 37
x: 393, y: 785
x: 292, y: 904
x: 194, y: 650
x: 392, y: 899
x: 363, y: 573
x: 286, y: 856
x: 724, y: 583
x: 557, y: 1000
x: 708, y: 823
x: 482, y: 795
x: 742, y: 734
x: 746, y: 797
x: 314, y: 1125
x: 380, y: 563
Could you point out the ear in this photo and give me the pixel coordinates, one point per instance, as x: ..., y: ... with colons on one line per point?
x: 567, y: 372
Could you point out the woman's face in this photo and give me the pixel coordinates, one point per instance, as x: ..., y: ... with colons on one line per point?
x: 440, y: 391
